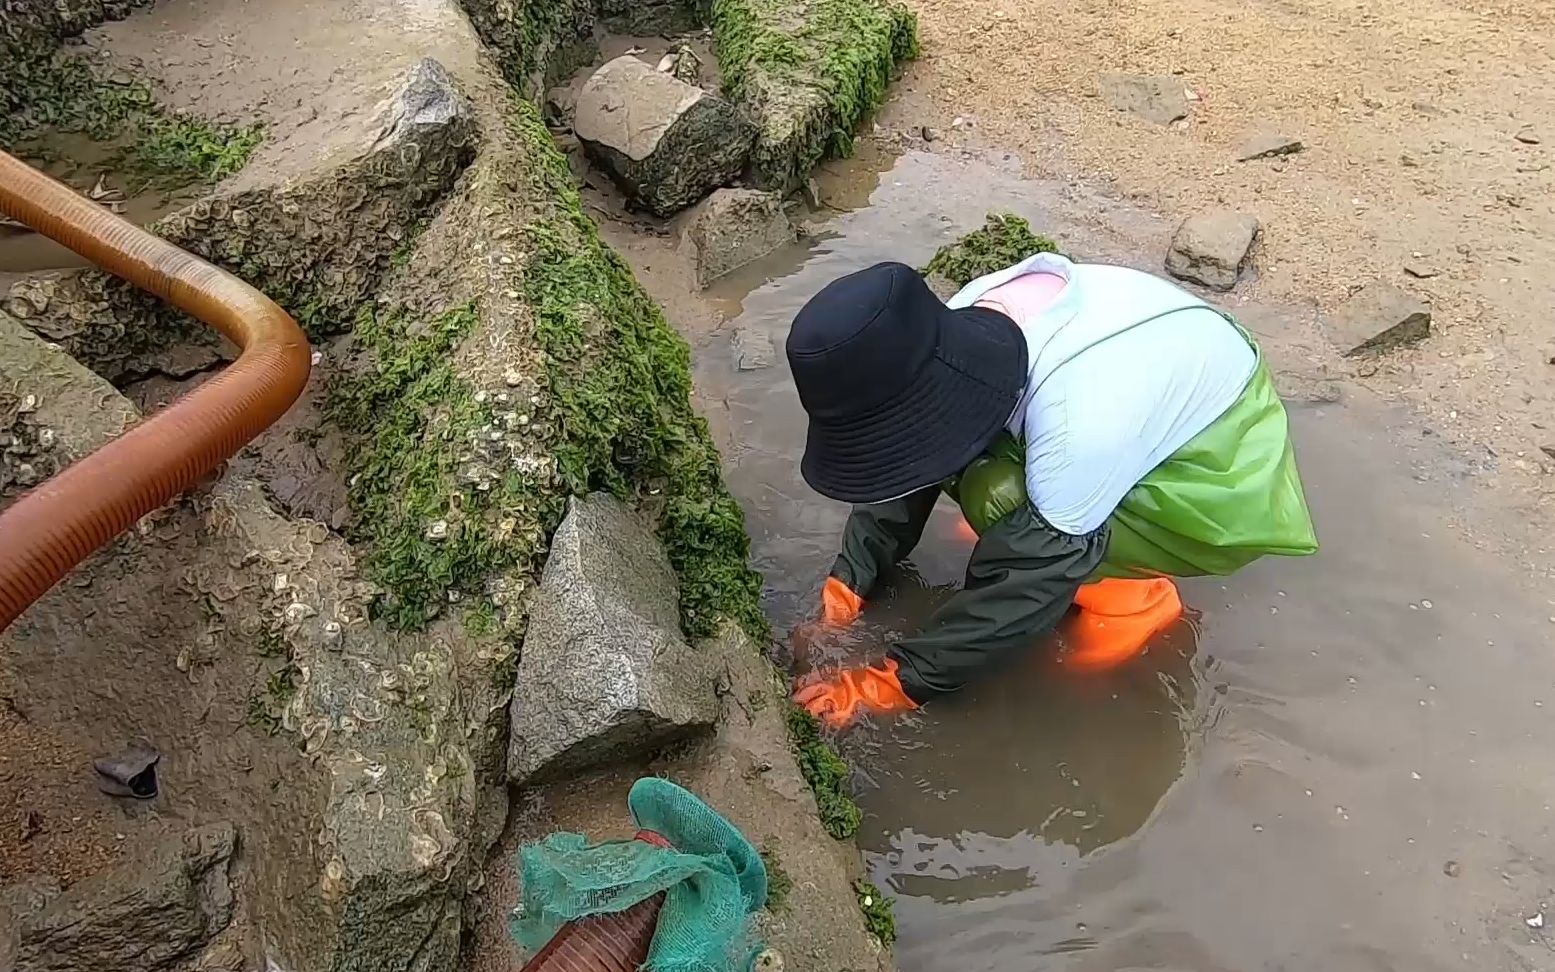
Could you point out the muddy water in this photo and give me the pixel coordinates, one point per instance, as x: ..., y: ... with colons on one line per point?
x: 1341, y: 762
x: 87, y: 166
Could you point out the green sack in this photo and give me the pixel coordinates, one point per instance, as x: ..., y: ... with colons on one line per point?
x: 1226, y: 498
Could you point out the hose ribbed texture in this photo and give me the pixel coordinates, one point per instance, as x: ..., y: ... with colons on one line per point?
x: 616, y: 942
x: 58, y: 524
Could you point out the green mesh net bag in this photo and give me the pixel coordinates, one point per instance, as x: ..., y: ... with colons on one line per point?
x: 712, y: 877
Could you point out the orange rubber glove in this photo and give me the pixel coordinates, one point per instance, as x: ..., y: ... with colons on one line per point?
x: 840, y: 607
x: 842, y: 698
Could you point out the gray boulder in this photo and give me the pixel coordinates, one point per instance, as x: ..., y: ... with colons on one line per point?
x: 149, y: 913
x: 664, y: 142
x: 604, y: 674
x: 732, y: 227
x: 1377, y: 317
x: 1155, y: 98
x: 1210, y: 248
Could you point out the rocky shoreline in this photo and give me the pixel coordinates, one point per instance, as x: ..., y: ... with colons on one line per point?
x: 382, y: 625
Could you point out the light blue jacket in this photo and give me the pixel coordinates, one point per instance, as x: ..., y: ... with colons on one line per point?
x: 1124, y: 369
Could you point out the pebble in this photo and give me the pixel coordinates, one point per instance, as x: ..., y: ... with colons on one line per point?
x: 1452, y: 869
x: 1527, y: 137
x: 1421, y: 271
x: 1536, y: 921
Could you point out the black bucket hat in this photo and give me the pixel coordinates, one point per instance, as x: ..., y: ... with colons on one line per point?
x: 902, y: 392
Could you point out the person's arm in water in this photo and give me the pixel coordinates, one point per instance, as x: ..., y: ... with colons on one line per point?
x: 1021, y: 578
x: 876, y: 537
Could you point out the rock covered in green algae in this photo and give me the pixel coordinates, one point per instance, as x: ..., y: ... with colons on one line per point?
x: 1003, y: 240
x: 664, y: 142
x: 808, y: 72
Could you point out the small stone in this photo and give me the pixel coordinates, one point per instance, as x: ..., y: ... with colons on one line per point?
x: 1267, y: 147
x: 682, y: 64
x: 1535, y: 921
x: 428, y: 101
x: 664, y: 142
x: 437, y: 530
x: 1155, y: 98
x: 1452, y: 869
x: 1421, y: 271
x: 1548, y: 450
x: 770, y: 960
x: 733, y: 227
x: 1377, y: 317
x: 561, y: 103
x: 753, y: 349
x: 1527, y: 137
x: 1211, y: 248
x: 928, y: 134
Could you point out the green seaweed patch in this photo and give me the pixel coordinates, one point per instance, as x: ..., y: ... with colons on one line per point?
x: 826, y: 772
x: 845, y: 51
x: 64, y: 92
x: 175, y: 150
x: 779, y: 884
x: 1004, y: 240
x: 437, y: 505
x: 448, y: 497
x: 879, y: 919
x: 619, y: 383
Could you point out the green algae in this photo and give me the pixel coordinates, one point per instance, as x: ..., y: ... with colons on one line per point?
x: 809, y: 73
x: 826, y: 772
x: 439, y: 503
x: 879, y: 918
x: 1003, y: 241
x: 58, y: 91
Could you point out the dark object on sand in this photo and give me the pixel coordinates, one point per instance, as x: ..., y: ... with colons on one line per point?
x: 132, y: 774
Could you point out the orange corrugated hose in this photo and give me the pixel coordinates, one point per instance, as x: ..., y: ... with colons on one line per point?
x: 45, y: 533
